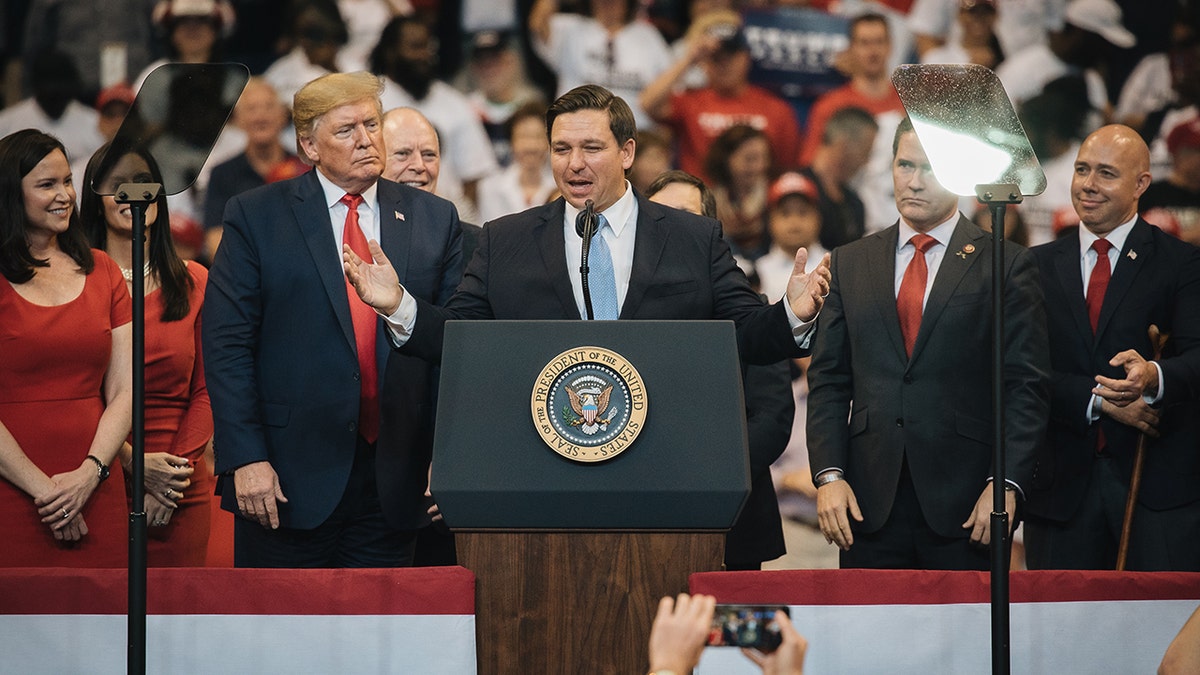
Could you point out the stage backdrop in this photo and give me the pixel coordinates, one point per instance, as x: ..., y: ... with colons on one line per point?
x: 204, y: 620
x: 872, y: 621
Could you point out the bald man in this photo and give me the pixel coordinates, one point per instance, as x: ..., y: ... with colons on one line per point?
x: 414, y: 158
x: 1105, y: 286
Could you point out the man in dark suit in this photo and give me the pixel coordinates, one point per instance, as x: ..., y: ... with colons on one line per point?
x: 662, y: 263
x: 323, y: 433
x: 1105, y: 286
x: 903, y: 352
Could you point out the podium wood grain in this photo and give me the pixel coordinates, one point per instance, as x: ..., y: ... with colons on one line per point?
x: 576, y: 602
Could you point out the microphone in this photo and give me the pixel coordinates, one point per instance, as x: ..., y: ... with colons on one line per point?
x: 585, y: 222
x: 585, y: 227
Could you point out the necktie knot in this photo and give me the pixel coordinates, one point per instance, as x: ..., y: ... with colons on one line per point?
x: 922, y: 242
x: 1102, y: 246
x: 351, y: 201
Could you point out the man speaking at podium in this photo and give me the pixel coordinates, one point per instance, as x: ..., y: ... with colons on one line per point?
x: 647, y: 261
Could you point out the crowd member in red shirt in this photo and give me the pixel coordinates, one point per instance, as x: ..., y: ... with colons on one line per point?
x: 870, y: 86
x: 697, y: 116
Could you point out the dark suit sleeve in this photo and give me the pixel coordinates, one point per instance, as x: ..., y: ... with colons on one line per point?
x: 763, y: 333
x: 770, y: 411
x: 830, y: 383
x: 452, y: 261
x: 1181, y: 369
x: 1026, y: 366
x: 232, y: 319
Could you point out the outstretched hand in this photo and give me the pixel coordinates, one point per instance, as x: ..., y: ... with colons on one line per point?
x: 375, y: 282
x: 806, y: 291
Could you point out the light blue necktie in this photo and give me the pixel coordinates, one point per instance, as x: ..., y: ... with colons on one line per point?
x: 601, y: 280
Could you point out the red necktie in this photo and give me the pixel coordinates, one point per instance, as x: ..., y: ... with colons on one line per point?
x: 912, y: 291
x: 1098, y: 282
x: 364, y: 318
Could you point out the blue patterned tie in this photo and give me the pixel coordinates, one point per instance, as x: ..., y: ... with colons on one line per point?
x: 601, y: 280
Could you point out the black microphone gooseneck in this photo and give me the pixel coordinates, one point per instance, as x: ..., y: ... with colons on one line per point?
x: 585, y: 227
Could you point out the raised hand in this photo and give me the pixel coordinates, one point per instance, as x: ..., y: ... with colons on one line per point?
x: 376, y: 283
x: 806, y: 291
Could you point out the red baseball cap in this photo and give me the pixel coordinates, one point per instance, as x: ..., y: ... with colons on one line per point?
x: 791, y: 183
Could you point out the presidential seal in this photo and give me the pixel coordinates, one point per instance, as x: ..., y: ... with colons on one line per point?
x: 589, y: 404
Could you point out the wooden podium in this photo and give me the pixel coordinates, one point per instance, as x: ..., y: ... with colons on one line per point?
x: 571, y: 558
x: 576, y: 602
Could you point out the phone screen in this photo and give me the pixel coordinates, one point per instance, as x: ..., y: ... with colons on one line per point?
x: 751, y: 626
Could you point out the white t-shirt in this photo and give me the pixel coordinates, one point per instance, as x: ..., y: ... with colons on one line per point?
x: 1039, y: 211
x: 466, y: 148
x: 1019, y: 23
x: 775, y: 269
x: 76, y: 128
x: 1026, y: 73
x: 580, y: 52
x: 500, y: 194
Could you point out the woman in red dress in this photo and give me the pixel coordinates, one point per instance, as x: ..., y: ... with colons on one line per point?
x: 179, y: 483
x: 66, y: 394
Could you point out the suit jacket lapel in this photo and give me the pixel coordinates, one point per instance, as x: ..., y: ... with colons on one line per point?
x: 1067, y: 269
x: 651, y: 239
x: 882, y: 257
x: 1139, y: 248
x: 549, y: 236
x: 950, y: 274
x: 312, y: 217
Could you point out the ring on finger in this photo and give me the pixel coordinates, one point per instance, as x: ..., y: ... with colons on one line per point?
x: 66, y: 514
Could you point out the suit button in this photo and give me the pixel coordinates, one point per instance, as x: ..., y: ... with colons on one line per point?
x: 907, y: 379
x: 899, y: 421
x: 354, y: 426
x: 357, y: 377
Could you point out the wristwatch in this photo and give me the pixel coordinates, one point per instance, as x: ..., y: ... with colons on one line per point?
x: 101, y: 468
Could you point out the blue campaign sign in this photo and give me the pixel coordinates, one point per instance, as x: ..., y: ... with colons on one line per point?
x: 793, y: 50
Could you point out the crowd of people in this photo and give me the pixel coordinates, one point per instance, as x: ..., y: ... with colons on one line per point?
x: 363, y: 194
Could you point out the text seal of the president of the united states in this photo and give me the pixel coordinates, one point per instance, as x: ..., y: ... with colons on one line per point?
x: 589, y: 404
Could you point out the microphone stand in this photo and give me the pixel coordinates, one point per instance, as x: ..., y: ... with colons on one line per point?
x: 991, y: 195
x: 585, y: 226
x: 138, y: 196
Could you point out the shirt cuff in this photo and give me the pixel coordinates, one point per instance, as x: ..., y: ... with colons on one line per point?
x: 1012, y: 484
x: 1158, y: 396
x: 1093, y: 409
x: 802, y: 331
x: 400, y: 324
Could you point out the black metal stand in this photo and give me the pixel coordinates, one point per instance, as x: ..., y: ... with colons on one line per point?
x: 998, y: 197
x: 585, y: 225
x: 138, y: 196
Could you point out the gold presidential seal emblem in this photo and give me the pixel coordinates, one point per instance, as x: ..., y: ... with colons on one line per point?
x: 589, y: 404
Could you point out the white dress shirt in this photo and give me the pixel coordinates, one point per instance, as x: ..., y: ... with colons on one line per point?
x: 933, y: 257
x: 1087, y: 262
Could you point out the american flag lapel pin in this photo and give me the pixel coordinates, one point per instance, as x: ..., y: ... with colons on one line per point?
x: 399, y: 216
x: 1132, y: 254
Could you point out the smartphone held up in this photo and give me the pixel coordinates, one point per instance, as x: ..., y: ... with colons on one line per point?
x: 749, y: 626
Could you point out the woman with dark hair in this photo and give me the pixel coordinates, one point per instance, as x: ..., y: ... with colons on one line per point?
x: 66, y: 393
x: 739, y: 169
x: 178, y: 417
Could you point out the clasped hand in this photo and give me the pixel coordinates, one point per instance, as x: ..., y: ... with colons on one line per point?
x: 1141, y: 378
